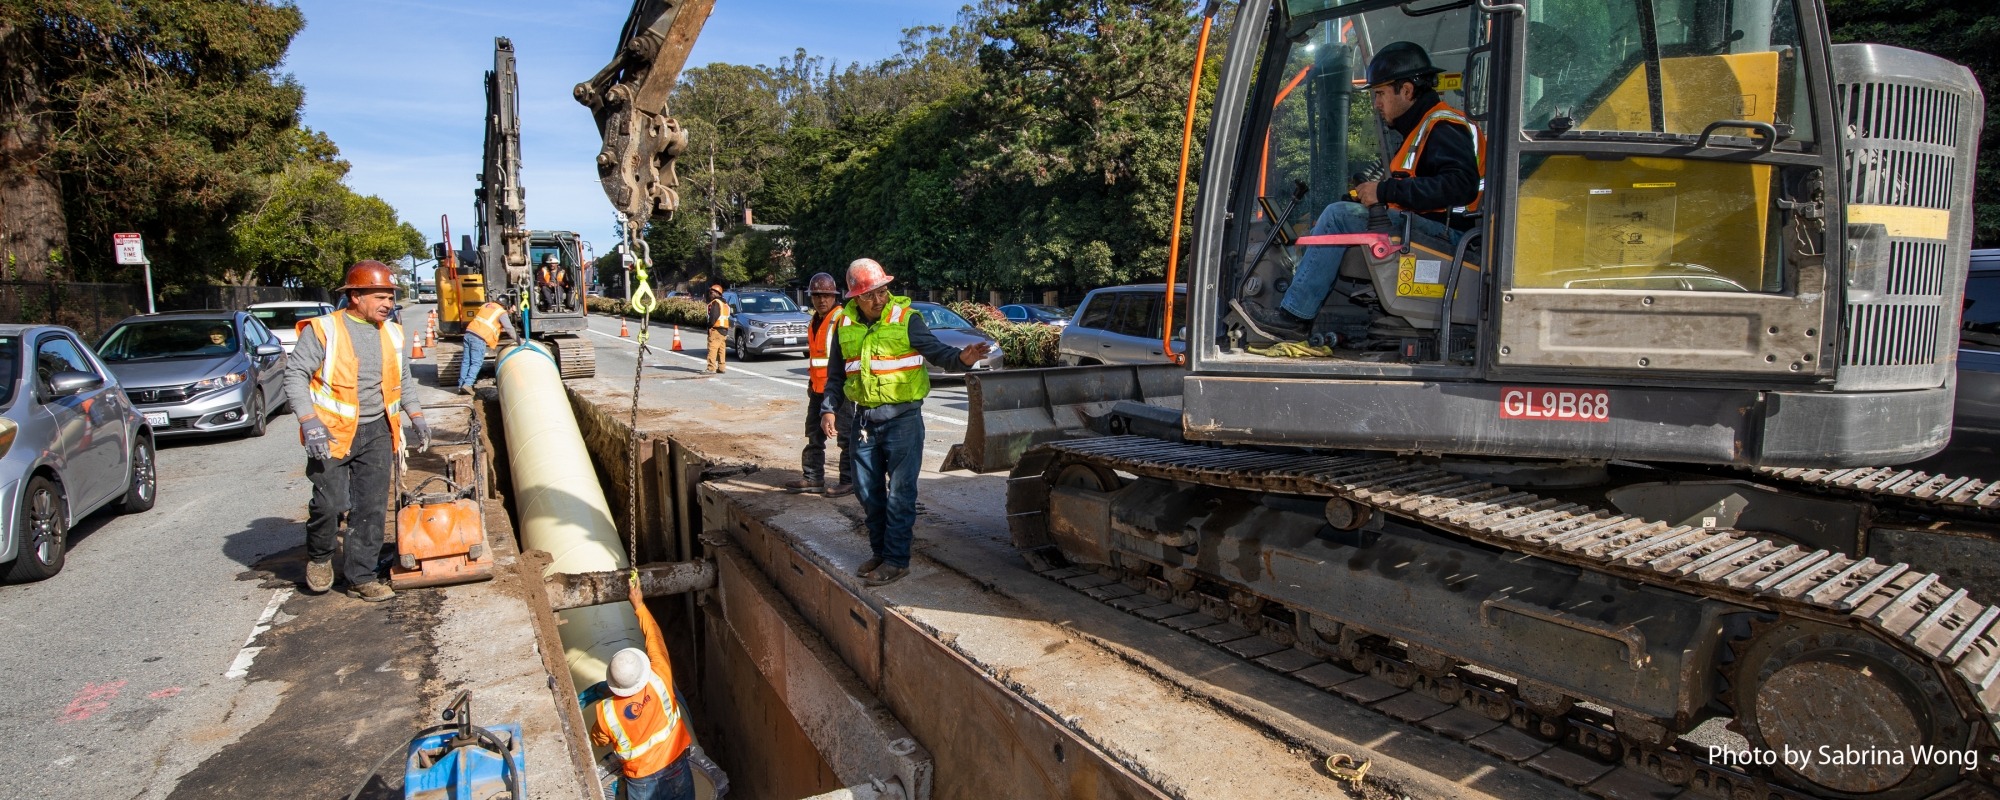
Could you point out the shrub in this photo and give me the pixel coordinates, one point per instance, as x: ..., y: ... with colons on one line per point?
x: 669, y: 311
x: 1027, y: 345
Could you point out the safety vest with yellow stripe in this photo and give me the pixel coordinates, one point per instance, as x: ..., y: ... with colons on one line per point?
x: 721, y: 315
x: 486, y: 323
x: 1404, y: 164
x: 335, y: 385
x: 645, y: 728
x: 820, y: 347
x: 882, y: 366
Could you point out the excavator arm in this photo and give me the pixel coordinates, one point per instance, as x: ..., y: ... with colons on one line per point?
x: 628, y: 98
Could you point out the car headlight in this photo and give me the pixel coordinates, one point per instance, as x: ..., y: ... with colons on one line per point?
x: 219, y: 382
x: 758, y: 324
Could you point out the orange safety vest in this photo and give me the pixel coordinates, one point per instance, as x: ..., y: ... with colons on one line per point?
x: 486, y: 323
x: 820, y: 348
x: 1404, y: 164
x: 721, y: 317
x: 646, y: 728
x: 335, y: 386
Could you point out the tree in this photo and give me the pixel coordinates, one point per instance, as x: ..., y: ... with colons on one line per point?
x: 308, y: 226
x: 137, y: 115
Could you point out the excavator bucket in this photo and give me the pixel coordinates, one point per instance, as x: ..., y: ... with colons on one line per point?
x: 440, y: 543
x: 1012, y: 410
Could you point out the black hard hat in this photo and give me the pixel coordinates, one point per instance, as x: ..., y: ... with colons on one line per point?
x: 1399, y: 61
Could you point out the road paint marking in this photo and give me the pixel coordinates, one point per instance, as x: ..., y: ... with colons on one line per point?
x: 92, y: 698
x: 244, y: 657
x: 163, y: 694
x: 792, y: 382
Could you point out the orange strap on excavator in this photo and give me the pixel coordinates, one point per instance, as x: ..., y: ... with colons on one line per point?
x: 1180, y: 185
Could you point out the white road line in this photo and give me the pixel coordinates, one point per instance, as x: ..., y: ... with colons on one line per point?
x: 792, y: 382
x: 241, y: 666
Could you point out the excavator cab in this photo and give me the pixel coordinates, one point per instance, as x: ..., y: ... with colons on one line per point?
x: 1656, y: 252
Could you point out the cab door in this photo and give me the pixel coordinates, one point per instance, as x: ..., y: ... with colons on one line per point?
x: 1667, y: 193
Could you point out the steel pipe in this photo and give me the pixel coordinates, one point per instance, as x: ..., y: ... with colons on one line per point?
x: 656, y: 580
x: 561, y: 506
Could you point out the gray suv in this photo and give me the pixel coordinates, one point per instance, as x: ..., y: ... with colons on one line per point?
x: 1121, y: 325
x: 761, y: 323
x: 1978, y: 407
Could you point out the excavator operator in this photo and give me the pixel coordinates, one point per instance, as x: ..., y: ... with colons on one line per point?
x: 553, y: 282
x: 1436, y: 174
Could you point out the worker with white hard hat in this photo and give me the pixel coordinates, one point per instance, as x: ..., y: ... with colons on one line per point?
x: 642, y: 721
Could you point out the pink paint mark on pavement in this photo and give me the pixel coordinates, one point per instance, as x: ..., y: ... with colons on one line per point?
x: 165, y: 693
x: 92, y: 698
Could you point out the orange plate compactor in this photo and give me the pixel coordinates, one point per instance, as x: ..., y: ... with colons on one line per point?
x: 440, y: 527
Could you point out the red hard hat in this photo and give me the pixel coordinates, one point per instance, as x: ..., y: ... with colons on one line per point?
x: 822, y: 283
x: 864, y: 276
x: 368, y: 275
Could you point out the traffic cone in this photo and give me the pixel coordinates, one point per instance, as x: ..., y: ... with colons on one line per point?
x: 431, y: 337
x: 623, y: 332
x: 416, y: 349
x: 677, y: 338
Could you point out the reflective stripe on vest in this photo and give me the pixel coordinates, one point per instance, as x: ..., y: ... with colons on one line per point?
x: 819, y: 348
x: 486, y: 323
x: 640, y: 757
x: 721, y: 317
x: 335, y: 386
x: 882, y: 366
x: 1404, y: 164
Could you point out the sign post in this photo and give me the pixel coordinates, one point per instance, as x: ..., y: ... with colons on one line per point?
x: 131, y: 250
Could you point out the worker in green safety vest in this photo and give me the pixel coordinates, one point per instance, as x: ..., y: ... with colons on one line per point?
x: 878, y: 361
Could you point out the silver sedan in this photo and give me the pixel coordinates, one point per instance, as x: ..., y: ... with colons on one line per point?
x: 70, y: 444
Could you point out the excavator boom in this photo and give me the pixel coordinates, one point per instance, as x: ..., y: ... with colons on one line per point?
x: 628, y: 98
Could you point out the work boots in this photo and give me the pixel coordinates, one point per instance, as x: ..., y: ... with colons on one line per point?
x: 840, y: 490
x: 372, y: 591
x: 1273, y: 325
x: 319, y: 576
x: 867, y: 567
x: 805, y: 486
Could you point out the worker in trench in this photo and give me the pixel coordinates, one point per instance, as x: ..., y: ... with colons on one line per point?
x: 876, y: 360
x: 345, y: 380
x: 642, y: 719
x: 483, y: 336
x: 826, y: 311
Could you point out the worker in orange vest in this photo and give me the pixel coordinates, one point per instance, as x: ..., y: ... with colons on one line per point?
x: 345, y: 380
x: 642, y: 721
x: 554, y: 283
x: 825, y: 297
x: 483, y: 334
x: 718, y: 330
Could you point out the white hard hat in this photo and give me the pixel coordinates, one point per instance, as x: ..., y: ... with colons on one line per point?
x: 628, y: 671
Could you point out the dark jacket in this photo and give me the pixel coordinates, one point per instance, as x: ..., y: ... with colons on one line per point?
x: 1447, y: 173
x: 921, y: 338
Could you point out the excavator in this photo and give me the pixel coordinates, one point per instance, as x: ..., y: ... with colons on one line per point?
x: 1620, y: 461
x: 507, y: 257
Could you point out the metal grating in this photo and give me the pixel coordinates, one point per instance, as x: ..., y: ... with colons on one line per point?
x: 1916, y: 267
x: 1916, y: 114
x: 1890, y: 177
x: 1890, y: 335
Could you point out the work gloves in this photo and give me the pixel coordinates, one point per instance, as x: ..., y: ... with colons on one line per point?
x: 319, y: 440
x: 423, y: 432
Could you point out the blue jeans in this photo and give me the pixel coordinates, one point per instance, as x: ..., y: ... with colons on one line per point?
x: 475, y: 357
x: 675, y: 782
x: 887, y: 457
x: 1321, y: 264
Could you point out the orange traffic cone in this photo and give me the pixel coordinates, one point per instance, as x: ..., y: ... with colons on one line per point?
x: 677, y: 338
x: 623, y: 332
x: 416, y: 349
x: 431, y: 337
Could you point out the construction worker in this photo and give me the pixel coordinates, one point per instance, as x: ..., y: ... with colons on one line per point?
x: 876, y: 360
x: 483, y: 334
x: 553, y: 282
x: 1436, y: 175
x: 642, y: 721
x: 718, y: 331
x: 825, y: 297
x: 345, y: 379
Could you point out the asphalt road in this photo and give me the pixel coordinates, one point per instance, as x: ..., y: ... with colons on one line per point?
x: 173, y: 656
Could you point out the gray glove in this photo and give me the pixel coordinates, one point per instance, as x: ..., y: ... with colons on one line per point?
x: 319, y: 440
x: 423, y: 432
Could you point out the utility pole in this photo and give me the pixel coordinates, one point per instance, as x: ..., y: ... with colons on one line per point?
x: 712, y: 229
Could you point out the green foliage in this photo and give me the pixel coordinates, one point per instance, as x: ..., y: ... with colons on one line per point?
x: 309, y: 227
x: 1026, y: 344
x: 682, y: 311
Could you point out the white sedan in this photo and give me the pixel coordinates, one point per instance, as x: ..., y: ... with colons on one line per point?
x: 283, y: 318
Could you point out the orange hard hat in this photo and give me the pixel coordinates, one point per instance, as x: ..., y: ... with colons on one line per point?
x: 864, y: 276
x: 822, y: 283
x: 368, y: 275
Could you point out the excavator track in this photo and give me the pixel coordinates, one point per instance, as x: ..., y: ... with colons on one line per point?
x: 1944, y: 643
x: 576, y: 357
x: 1896, y: 487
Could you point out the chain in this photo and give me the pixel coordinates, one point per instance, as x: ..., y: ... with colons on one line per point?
x: 642, y: 301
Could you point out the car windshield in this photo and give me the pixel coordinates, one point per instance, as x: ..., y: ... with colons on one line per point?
x: 285, y: 317
x: 939, y: 317
x: 168, y: 338
x: 10, y: 367
x: 764, y: 304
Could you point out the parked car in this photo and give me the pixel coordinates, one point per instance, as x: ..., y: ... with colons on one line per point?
x: 283, y: 319
x: 426, y: 293
x: 1039, y: 314
x: 1978, y: 406
x: 953, y: 330
x: 762, y: 323
x: 70, y: 444
x: 1121, y: 325
x: 198, y: 371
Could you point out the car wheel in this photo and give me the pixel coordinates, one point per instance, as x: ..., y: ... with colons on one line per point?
x: 145, y: 479
x: 44, y: 532
x: 260, y: 414
x: 743, y: 347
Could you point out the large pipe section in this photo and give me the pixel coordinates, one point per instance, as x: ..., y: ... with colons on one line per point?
x: 561, y: 506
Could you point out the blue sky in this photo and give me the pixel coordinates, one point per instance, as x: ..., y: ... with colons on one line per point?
x: 398, y: 85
